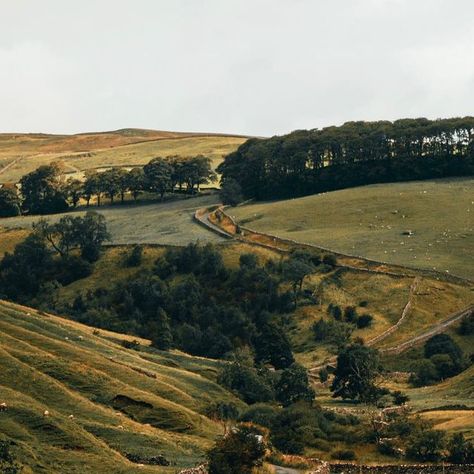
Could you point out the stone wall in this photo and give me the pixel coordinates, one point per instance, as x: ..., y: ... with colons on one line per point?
x: 402, y: 469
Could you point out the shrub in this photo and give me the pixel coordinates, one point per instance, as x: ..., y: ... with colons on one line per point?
x: 239, y: 452
x: 400, y: 398
x: 130, y: 344
x: 323, y: 375
x: 425, y: 445
x: 364, y: 321
x: 350, y: 314
x: 330, y: 259
x: 467, y: 325
x: 343, y: 455
x: 134, y: 258
x: 260, y: 414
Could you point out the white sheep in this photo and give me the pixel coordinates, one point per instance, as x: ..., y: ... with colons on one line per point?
x: 46, y: 413
x: 3, y: 406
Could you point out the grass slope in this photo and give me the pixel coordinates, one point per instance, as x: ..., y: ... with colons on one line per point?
x: 22, y: 153
x: 168, y: 223
x: 369, y: 221
x: 123, y: 401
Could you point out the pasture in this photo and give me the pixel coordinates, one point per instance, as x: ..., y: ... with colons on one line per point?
x: 104, y: 401
x: 167, y: 223
x: 420, y: 224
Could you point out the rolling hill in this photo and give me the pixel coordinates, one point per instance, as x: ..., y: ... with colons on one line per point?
x: 104, y: 401
x: 22, y: 153
x: 423, y: 224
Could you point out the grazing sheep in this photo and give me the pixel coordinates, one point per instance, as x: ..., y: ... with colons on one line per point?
x: 71, y: 417
x: 3, y: 406
x: 46, y: 413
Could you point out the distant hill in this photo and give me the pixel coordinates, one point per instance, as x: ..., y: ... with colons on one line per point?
x: 21, y: 153
x: 104, y: 401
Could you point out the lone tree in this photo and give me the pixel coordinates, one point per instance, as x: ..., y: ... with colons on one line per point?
x: 239, y: 452
x: 295, y: 269
x: 355, y: 374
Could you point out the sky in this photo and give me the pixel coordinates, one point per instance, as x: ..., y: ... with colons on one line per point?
x: 253, y: 67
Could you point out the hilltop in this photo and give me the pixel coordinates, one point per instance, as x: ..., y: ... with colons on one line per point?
x: 22, y: 153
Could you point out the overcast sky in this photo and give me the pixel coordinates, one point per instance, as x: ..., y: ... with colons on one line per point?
x: 258, y: 67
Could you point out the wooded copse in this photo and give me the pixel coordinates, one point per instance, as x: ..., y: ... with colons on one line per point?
x: 354, y: 154
x: 46, y: 190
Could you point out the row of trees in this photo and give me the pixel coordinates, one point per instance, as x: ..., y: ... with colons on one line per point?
x: 356, y: 153
x: 46, y: 189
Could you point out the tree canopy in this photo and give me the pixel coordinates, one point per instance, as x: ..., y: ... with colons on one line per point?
x: 356, y: 153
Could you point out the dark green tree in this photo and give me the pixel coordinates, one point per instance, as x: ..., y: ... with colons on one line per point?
x: 158, y: 176
x: 160, y: 331
x: 239, y: 452
x: 356, y: 372
x: 43, y: 190
x: 293, y: 386
x: 231, y: 192
x: 136, y: 182
x: 10, y: 204
x: 74, y: 191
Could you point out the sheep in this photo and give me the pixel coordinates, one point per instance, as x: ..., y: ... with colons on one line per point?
x: 71, y: 417
x: 3, y: 406
x: 46, y: 413
x: 120, y: 427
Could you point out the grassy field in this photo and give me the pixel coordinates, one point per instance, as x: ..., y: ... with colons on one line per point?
x: 20, y: 154
x: 122, y: 401
x: 168, y: 223
x: 371, y: 221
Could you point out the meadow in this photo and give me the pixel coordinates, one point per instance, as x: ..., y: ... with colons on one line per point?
x: 420, y: 224
x: 167, y: 223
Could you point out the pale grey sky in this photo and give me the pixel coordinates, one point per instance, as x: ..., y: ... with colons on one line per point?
x: 259, y: 67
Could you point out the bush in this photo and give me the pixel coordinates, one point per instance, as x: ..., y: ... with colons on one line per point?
x: 323, y: 375
x: 134, y: 258
x: 424, y: 373
x: 425, y: 445
x: 239, y: 452
x: 330, y: 259
x: 130, y: 344
x: 466, y: 327
x: 332, y: 332
x: 343, y: 455
x: 350, y: 314
x: 399, y: 398
x: 364, y: 321
x: 260, y: 414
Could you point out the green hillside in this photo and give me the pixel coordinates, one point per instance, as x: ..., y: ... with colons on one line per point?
x: 169, y: 223
x: 423, y: 224
x: 122, y: 401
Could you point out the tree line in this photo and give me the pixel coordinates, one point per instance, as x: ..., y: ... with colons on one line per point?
x: 356, y: 153
x: 46, y: 190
